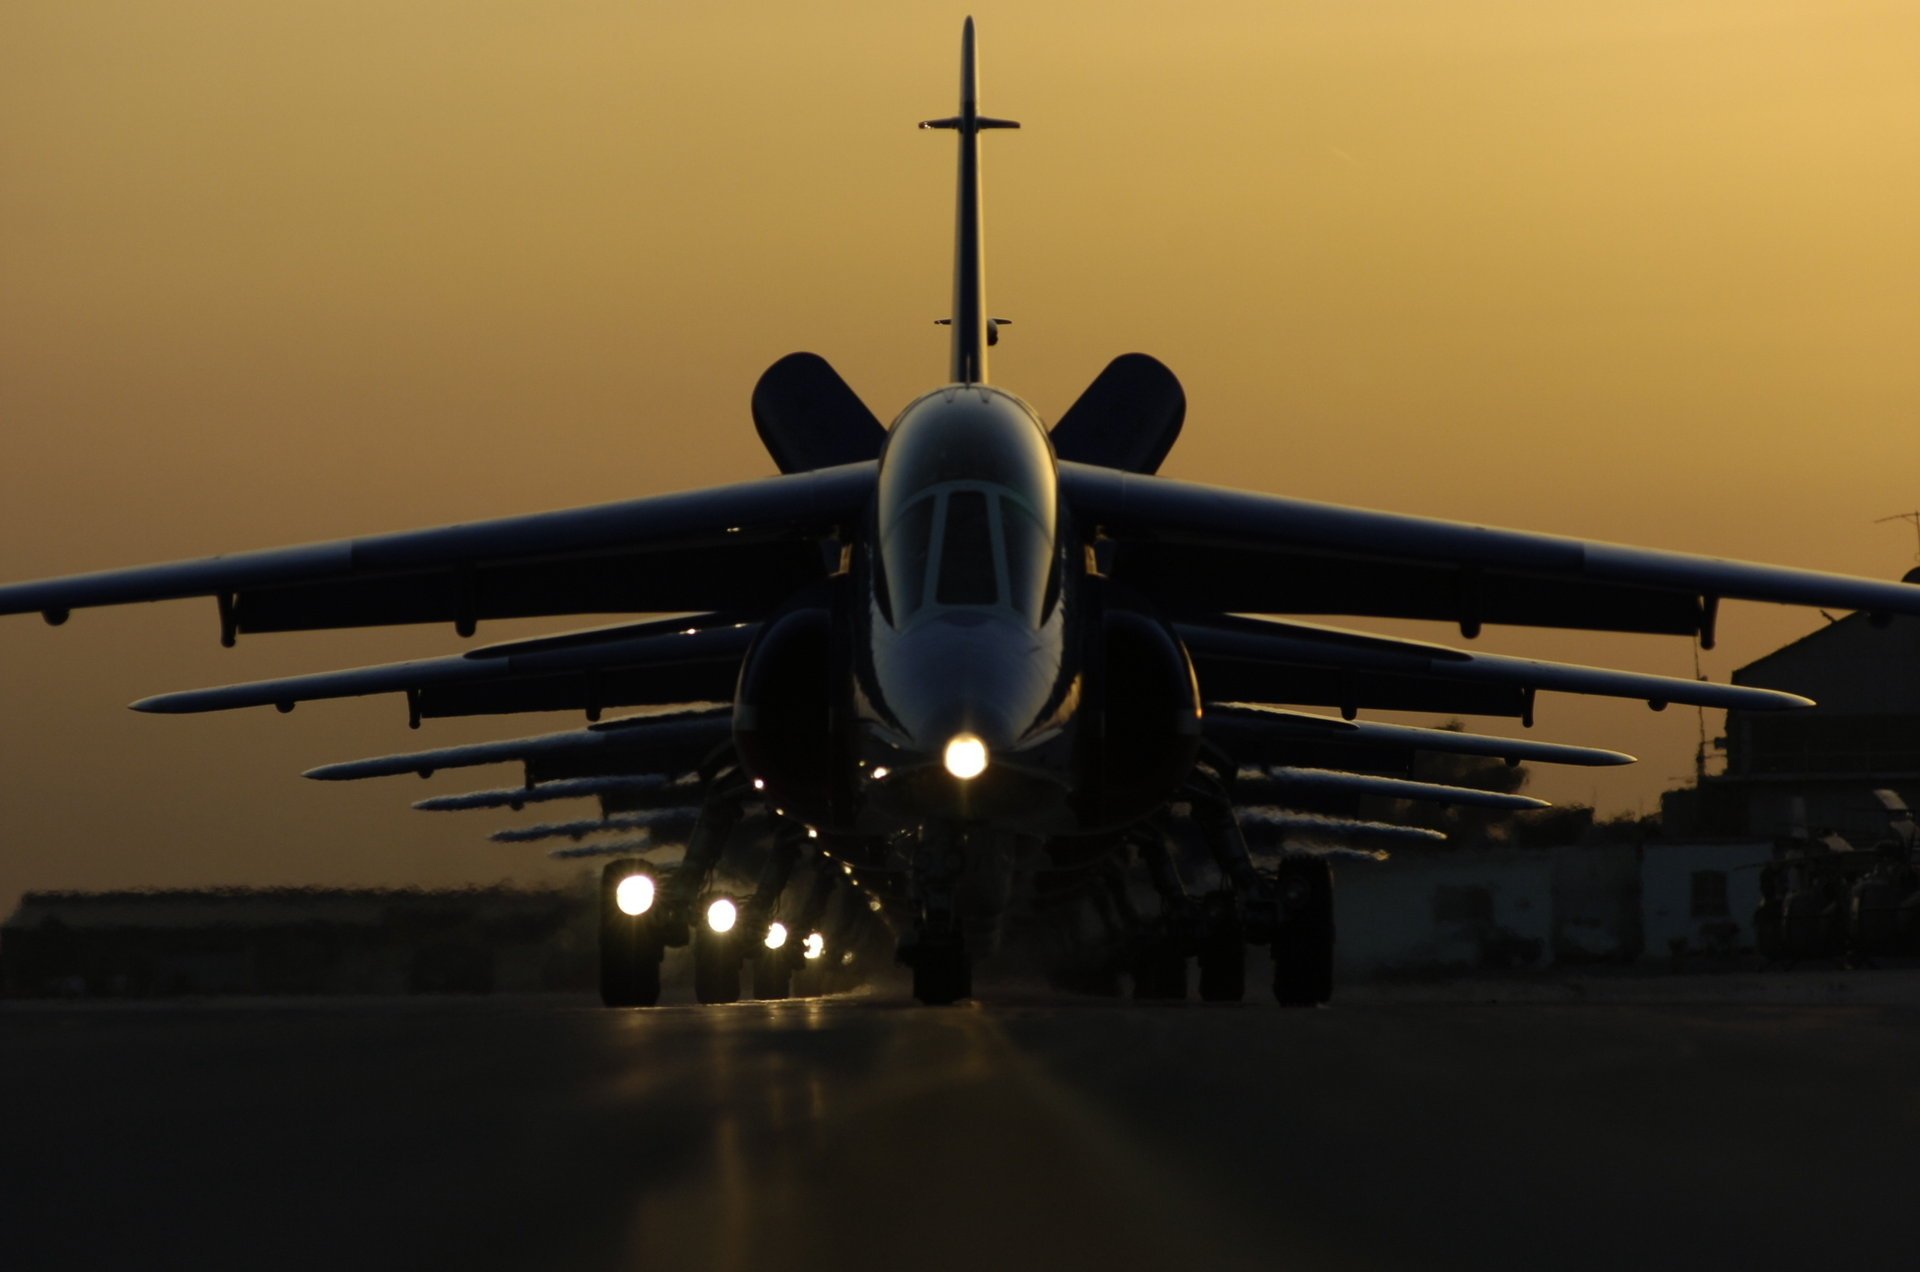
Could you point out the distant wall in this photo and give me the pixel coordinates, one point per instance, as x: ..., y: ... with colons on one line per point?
x: 1449, y: 911
x: 1700, y: 898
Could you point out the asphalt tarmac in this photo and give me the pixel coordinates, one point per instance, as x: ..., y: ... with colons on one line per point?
x: 1698, y: 1123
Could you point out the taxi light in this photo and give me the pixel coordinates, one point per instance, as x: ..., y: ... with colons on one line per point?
x: 776, y: 935
x: 966, y: 757
x: 721, y: 915
x: 634, y: 895
x: 815, y: 945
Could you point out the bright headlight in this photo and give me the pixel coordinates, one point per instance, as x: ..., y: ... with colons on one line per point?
x: 634, y: 895
x: 966, y: 757
x: 776, y: 935
x: 721, y: 915
x: 815, y: 945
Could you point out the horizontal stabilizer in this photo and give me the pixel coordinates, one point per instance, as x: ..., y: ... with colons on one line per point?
x: 808, y: 417
x: 1128, y: 418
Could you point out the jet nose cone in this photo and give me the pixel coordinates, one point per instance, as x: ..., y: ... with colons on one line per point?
x: 963, y: 674
x: 964, y: 727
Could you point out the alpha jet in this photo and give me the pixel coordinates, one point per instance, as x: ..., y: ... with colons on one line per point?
x: 968, y: 665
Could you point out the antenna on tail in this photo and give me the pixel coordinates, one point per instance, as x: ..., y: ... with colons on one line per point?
x: 972, y: 329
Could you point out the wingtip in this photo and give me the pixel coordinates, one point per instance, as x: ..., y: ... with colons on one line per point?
x: 342, y: 772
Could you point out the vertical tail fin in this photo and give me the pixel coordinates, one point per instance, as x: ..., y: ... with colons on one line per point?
x: 969, y: 319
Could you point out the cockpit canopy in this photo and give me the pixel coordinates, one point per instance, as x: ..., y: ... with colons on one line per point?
x: 969, y: 505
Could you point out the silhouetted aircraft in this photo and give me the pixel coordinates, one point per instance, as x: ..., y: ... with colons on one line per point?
x: 936, y: 668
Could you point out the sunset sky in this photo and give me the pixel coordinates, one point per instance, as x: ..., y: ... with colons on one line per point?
x: 1645, y: 272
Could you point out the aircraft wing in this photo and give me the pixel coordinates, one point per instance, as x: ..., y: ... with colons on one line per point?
x: 1274, y: 736
x: 734, y: 547
x: 1277, y: 785
x: 678, y: 820
x: 616, y: 794
x: 1206, y: 548
x: 635, y: 746
x: 671, y: 662
x: 1260, y: 660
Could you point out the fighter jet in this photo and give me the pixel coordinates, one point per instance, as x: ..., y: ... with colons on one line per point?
x: 968, y: 666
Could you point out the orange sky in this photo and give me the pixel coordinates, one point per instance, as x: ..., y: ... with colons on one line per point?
x: 271, y: 273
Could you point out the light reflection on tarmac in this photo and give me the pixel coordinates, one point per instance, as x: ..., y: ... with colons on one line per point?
x: 1718, y: 1122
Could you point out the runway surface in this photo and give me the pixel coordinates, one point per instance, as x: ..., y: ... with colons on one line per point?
x: 1707, y: 1122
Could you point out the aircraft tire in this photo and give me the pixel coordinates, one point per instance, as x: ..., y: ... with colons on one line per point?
x: 716, y: 967
x: 942, y: 974
x: 1160, y: 972
x: 1223, y: 969
x: 630, y: 949
x: 1303, y: 945
x: 773, y: 975
x: 1222, y: 950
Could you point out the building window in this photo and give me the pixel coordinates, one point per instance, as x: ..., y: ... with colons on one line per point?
x: 1709, y: 895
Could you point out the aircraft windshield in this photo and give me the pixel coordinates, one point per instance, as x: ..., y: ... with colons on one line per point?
x: 967, y: 500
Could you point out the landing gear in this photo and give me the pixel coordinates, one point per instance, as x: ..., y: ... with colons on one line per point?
x: 716, y: 965
x: 1160, y: 968
x: 1223, y: 950
x: 1303, y: 941
x: 942, y: 972
x: 773, y: 974
x: 630, y: 944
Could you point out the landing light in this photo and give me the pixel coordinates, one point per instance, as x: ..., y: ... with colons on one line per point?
x: 776, y: 935
x: 634, y: 895
x: 966, y: 757
x: 721, y: 915
x: 814, y: 946
x: 880, y: 772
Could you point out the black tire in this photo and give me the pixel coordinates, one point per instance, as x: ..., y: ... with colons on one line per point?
x: 942, y: 974
x: 1303, y: 944
x: 1159, y: 972
x: 716, y: 966
x: 1222, y: 950
x: 772, y: 975
x: 1223, y: 968
x: 630, y: 948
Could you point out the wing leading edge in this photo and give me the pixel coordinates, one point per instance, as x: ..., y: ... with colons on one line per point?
x: 736, y: 547
x: 1205, y: 548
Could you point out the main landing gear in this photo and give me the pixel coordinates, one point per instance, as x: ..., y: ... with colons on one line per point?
x: 1303, y: 941
x: 942, y: 971
x: 631, y: 944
